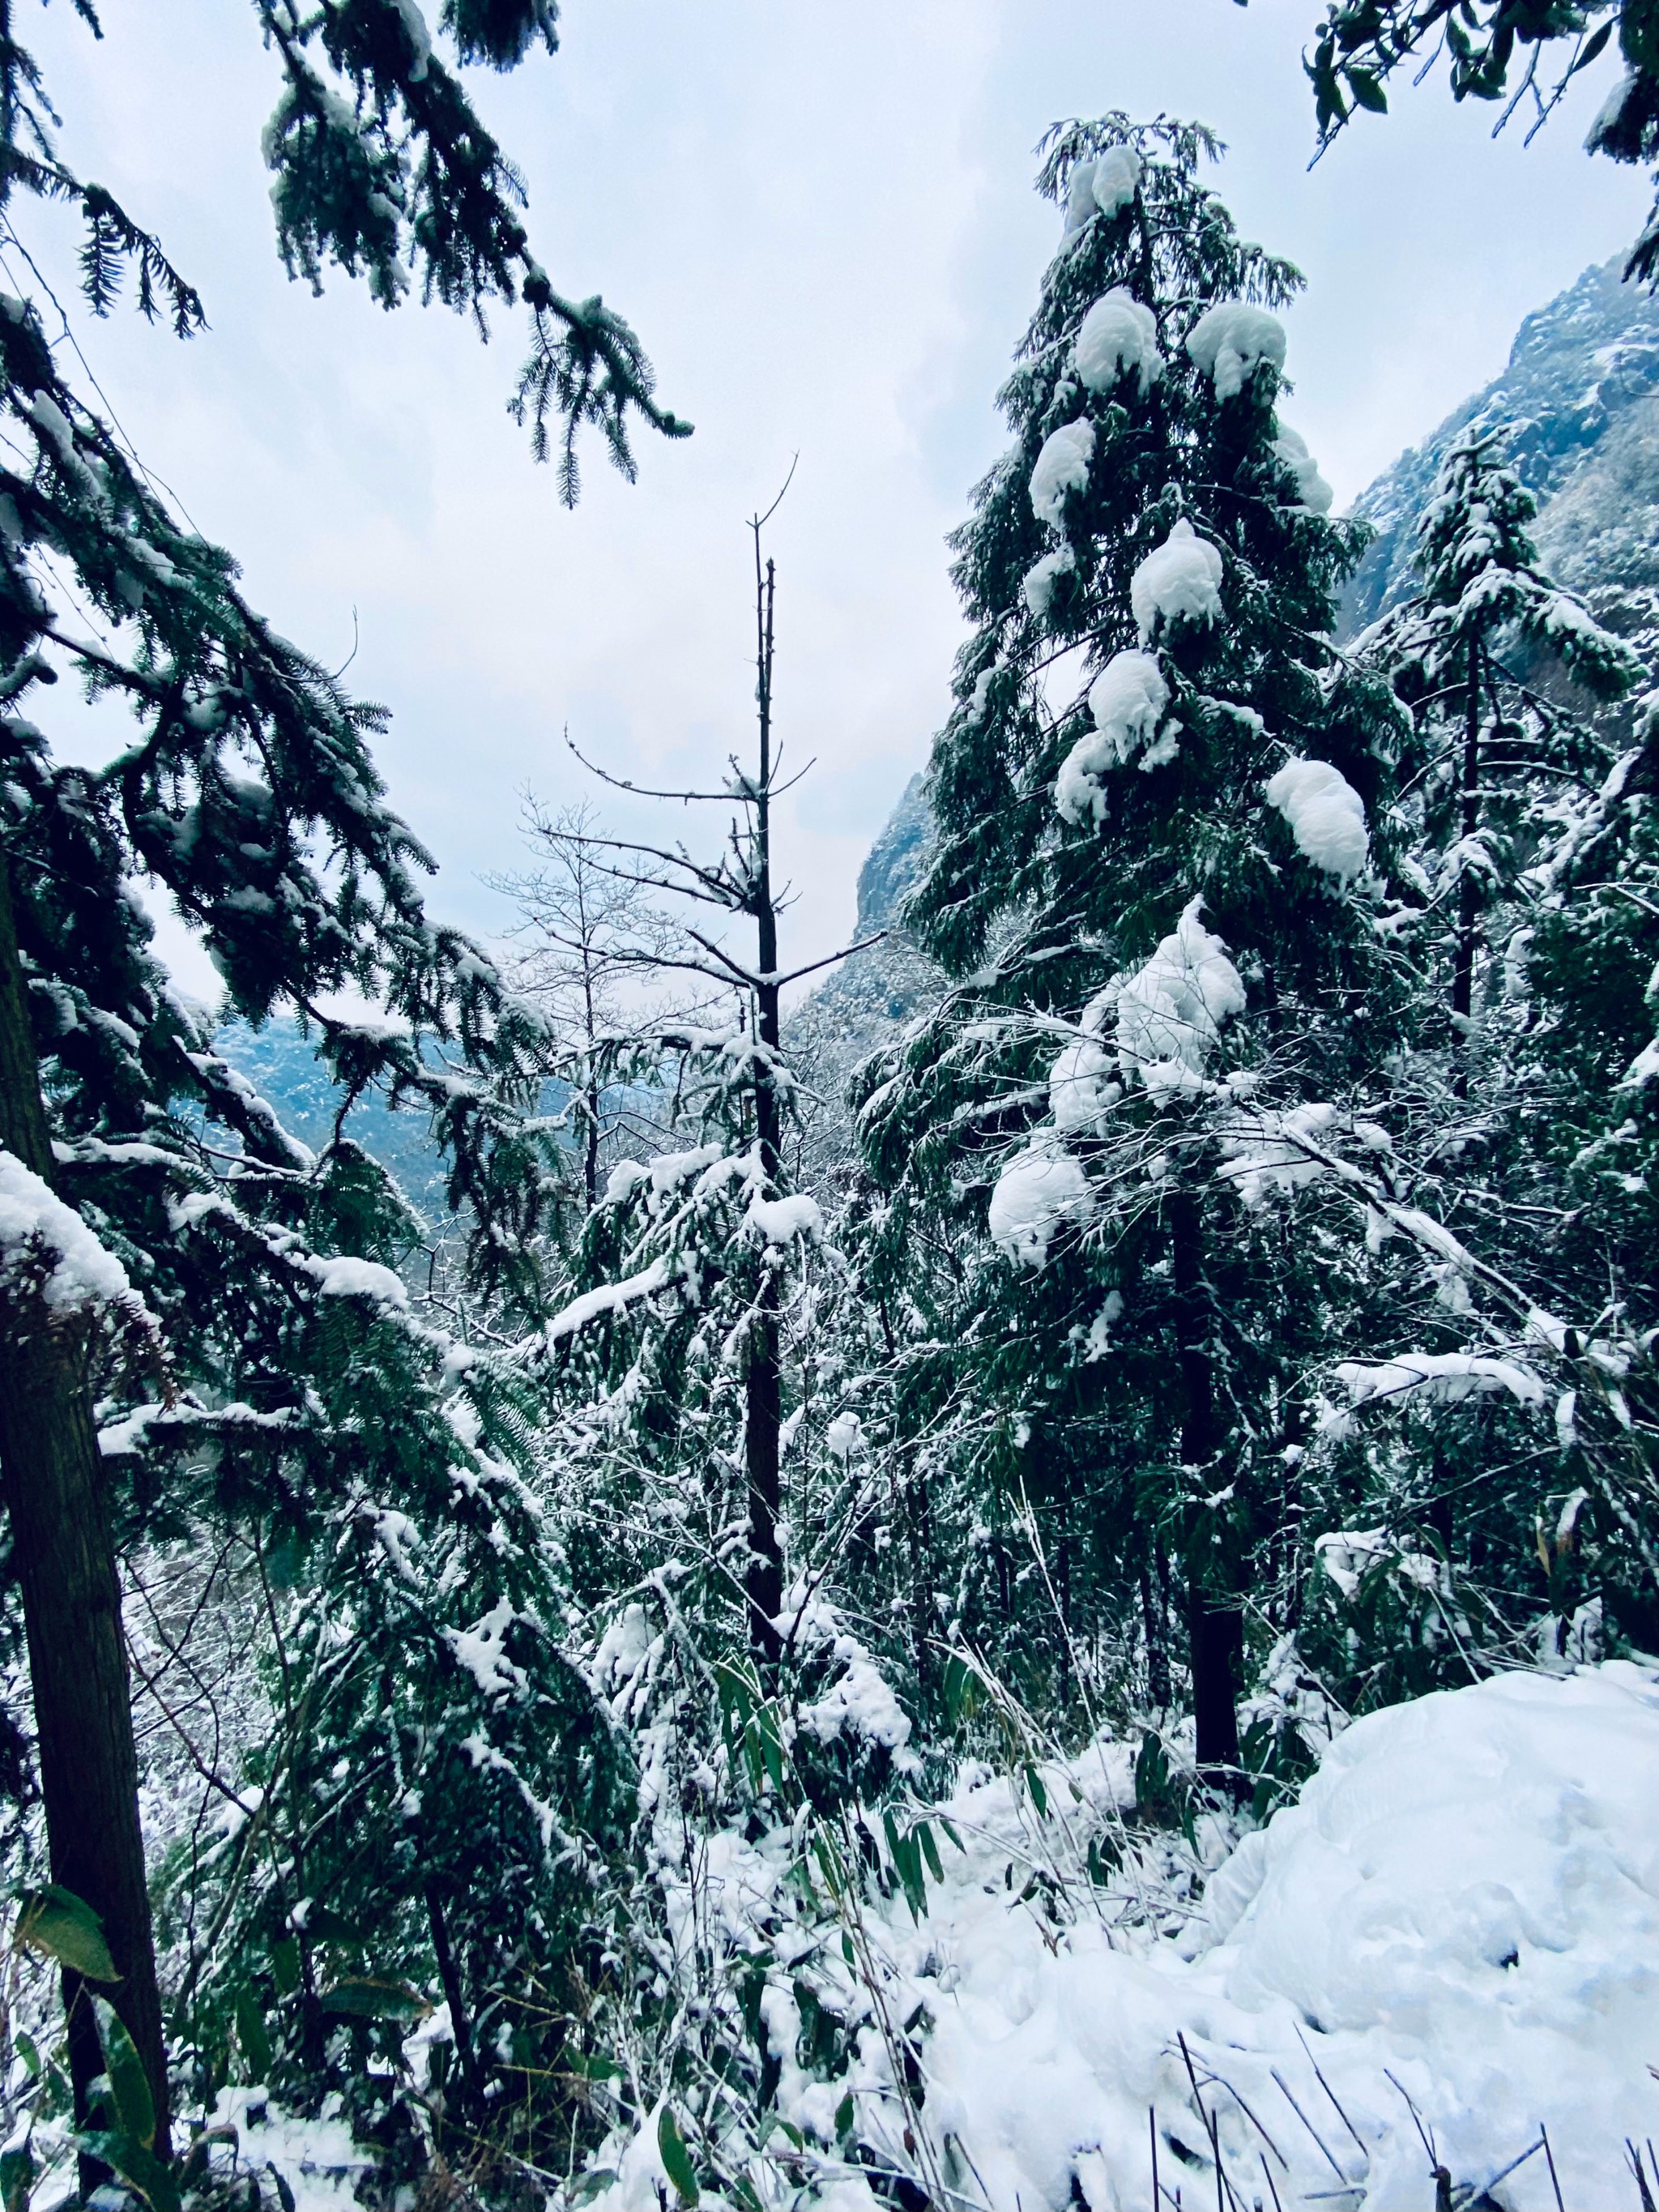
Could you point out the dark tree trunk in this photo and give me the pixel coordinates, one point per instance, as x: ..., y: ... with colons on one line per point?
x: 764, y: 1425
x: 1469, y: 889
x: 1215, y: 1623
x: 919, y: 1542
x: 1154, y: 1621
x: 54, y: 1494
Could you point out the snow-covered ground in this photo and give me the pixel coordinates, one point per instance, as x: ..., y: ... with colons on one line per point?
x: 1451, y: 1939
x: 1460, y: 1914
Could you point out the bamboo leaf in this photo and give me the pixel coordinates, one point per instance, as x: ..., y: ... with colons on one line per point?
x: 365, y: 1996
x: 676, y: 2160
x: 66, y: 1928
x: 134, y: 2108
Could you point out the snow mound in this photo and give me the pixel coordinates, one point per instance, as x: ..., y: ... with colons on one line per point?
x: 1465, y: 1897
x: 1291, y: 448
x: 1126, y: 698
x: 1170, y: 1012
x: 1119, y: 338
x: 38, y: 1234
x: 1038, y: 587
x: 1062, y: 466
x: 1232, y: 341
x: 1179, y: 581
x: 1326, y: 814
x: 1037, y: 1194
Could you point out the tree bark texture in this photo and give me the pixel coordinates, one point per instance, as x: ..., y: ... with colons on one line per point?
x: 1215, y: 1622
x: 55, y: 1497
x: 763, y: 1427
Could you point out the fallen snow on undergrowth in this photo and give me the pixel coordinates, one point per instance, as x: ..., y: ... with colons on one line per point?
x: 1465, y: 1897
x: 1457, y: 1925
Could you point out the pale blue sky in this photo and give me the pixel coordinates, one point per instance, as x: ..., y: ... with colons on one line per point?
x: 820, y: 220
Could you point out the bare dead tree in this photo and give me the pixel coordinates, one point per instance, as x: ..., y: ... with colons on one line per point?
x: 738, y: 885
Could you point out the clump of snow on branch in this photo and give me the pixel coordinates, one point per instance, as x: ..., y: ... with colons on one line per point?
x: 860, y: 1702
x: 1445, y: 1377
x: 1128, y: 700
x: 780, y: 1220
x: 1037, y: 588
x: 1061, y: 467
x: 1348, y: 1556
x: 1037, y: 1194
x: 1104, y: 186
x: 1118, y: 339
x: 1291, y: 448
x: 1232, y: 341
x: 1265, y: 1155
x: 1326, y: 814
x: 41, y: 1237
x: 1082, y: 1087
x: 1179, y: 581
x: 1169, y: 1011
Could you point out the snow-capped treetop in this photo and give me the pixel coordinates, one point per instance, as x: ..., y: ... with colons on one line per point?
x: 1479, y: 576
x: 1232, y: 341
x: 1105, y: 186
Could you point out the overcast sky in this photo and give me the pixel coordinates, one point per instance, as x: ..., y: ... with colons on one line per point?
x: 820, y: 220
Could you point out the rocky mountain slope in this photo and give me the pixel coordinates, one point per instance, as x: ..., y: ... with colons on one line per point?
x: 1581, y: 395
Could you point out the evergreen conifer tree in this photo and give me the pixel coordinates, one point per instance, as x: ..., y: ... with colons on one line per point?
x: 145, y: 1184
x: 1154, y: 876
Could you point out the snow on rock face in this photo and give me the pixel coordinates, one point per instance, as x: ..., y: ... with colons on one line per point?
x: 1119, y: 338
x: 1314, y: 494
x: 1179, y: 581
x: 1467, y: 1896
x: 1326, y: 814
x: 1038, y: 1191
x: 1038, y: 586
x: 1062, y: 466
x: 1232, y: 341
x: 1170, y: 1012
x: 1128, y: 700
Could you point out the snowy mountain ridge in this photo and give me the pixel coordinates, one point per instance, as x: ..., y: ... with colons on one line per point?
x: 1581, y: 390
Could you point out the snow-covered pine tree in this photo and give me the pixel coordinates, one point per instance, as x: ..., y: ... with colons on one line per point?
x: 144, y: 1181
x: 1526, y: 920
x: 1151, y: 874
x: 1472, y: 652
